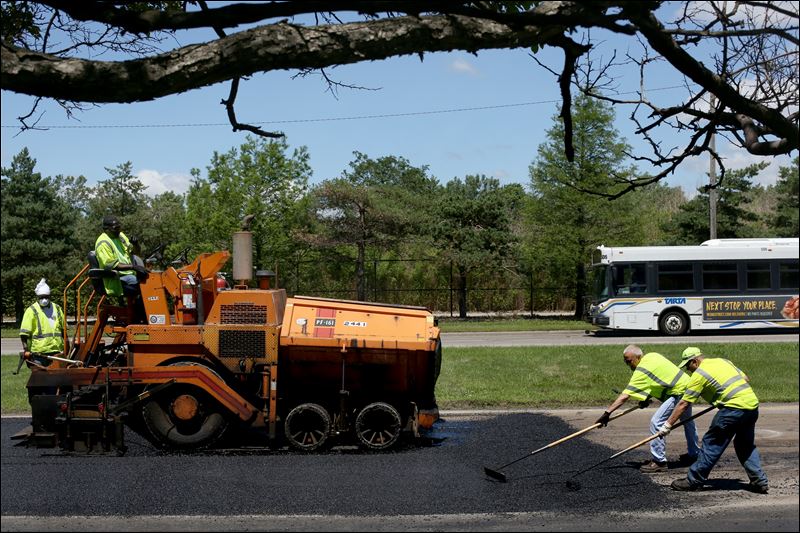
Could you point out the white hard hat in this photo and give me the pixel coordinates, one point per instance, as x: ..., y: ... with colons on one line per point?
x: 42, y: 289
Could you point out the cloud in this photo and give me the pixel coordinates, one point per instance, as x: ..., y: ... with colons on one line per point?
x: 463, y: 66
x: 157, y: 182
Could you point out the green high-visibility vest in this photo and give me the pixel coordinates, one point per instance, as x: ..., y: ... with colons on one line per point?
x: 110, y: 252
x: 44, y: 337
x: 721, y: 383
x: 656, y: 376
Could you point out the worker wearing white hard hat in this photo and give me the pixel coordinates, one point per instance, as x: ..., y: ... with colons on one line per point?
x: 42, y: 327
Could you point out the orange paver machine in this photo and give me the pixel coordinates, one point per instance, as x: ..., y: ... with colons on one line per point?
x: 205, y: 358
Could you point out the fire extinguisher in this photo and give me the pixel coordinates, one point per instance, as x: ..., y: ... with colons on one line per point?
x: 187, y: 292
x: 222, y: 284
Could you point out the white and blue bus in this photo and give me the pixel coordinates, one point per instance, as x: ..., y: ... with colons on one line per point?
x: 721, y: 284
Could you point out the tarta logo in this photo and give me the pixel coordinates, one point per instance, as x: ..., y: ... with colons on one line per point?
x: 675, y: 300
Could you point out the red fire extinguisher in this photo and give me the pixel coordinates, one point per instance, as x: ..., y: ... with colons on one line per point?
x: 187, y: 293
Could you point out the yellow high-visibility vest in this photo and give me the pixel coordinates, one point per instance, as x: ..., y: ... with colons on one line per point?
x: 721, y: 383
x: 110, y: 252
x: 44, y: 337
x: 656, y: 376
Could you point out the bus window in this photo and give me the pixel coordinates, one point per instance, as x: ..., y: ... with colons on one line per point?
x: 629, y: 279
x: 674, y: 277
x: 758, y: 276
x: 788, y: 275
x: 720, y: 277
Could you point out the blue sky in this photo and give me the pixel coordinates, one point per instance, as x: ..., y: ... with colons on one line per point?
x: 499, y: 142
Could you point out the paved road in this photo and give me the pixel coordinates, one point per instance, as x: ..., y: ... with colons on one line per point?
x: 561, y: 338
x: 440, y: 488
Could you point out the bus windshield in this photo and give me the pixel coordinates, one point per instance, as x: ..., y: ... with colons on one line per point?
x: 600, y: 292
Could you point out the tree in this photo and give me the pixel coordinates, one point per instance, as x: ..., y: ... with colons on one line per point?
x: 785, y: 221
x: 37, y: 231
x: 564, y: 223
x: 734, y: 219
x: 472, y: 227
x: 260, y: 178
x: 739, y: 60
x: 373, y: 206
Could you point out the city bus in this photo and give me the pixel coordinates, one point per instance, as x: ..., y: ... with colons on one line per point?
x: 720, y: 284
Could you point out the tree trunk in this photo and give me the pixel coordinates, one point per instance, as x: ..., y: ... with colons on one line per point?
x: 580, y: 290
x: 361, y: 288
x: 19, y: 306
x: 462, y: 292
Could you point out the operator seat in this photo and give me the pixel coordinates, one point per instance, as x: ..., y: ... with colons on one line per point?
x: 97, y: 274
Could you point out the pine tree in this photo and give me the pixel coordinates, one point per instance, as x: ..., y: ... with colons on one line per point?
x: 37, y: 232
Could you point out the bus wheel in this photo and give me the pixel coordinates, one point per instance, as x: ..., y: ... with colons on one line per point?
x: 674, y: 323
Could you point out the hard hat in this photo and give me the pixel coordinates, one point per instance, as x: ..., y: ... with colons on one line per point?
x: 688, y: 354
x: 110, y: 221
x: 42, y: 289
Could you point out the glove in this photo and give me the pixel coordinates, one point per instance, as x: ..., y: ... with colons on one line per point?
x: 644, y: 404
x: 603, y: 420
x: 26, y: 355
x: 665, y: 429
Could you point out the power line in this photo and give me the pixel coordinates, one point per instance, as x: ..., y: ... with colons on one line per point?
x: 328, y: 119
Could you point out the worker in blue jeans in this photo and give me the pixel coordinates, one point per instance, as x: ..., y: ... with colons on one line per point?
x: 655, y: 376
x: 720, y: 383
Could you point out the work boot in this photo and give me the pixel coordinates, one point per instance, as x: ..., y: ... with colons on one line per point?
x: 653, y: 466
x: 758, y: 488
x: 687, y: 460
x: 683, y: 485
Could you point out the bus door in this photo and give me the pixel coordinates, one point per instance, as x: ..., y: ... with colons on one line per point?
x: 630, y: 287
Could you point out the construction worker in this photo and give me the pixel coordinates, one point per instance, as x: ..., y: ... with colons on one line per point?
x: 655, y: 376
x: 720, y: 383
x: 113, y: 250
x: 42, y: 328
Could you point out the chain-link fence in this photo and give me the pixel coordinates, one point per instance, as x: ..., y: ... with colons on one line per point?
x: 428, y: 283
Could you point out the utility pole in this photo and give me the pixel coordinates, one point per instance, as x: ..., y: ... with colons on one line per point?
x: 712, y: 178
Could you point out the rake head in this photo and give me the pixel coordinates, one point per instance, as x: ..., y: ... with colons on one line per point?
x: 499, y: 476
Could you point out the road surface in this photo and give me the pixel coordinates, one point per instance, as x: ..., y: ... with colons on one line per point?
x: 439, y: 488
x: 561, y: 338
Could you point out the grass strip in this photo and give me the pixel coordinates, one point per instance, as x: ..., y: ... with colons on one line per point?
x: 543, y: 376
x: 560, y: 376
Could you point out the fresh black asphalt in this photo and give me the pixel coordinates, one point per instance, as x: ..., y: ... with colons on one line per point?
x: 443, y: 478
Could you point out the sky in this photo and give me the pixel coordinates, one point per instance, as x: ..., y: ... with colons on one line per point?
x: 457, y: 113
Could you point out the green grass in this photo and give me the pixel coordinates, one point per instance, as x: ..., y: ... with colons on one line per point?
x: 543, y: 376
x: 557, y: 376
x: 453, y: 325
x: 14, y: 394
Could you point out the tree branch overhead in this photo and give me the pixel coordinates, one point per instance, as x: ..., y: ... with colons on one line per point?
x: 748, y: 61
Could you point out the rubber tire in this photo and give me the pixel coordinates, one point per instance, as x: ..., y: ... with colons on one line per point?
x: 206, y: 429
x: 304, y: 422
x: 375, y: 419
x: 673, y: 323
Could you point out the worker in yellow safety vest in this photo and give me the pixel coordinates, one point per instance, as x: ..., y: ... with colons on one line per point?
x: 720, y: 383
x: 113, y: 251
x: 655, y: 376
x: 42, y: 328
